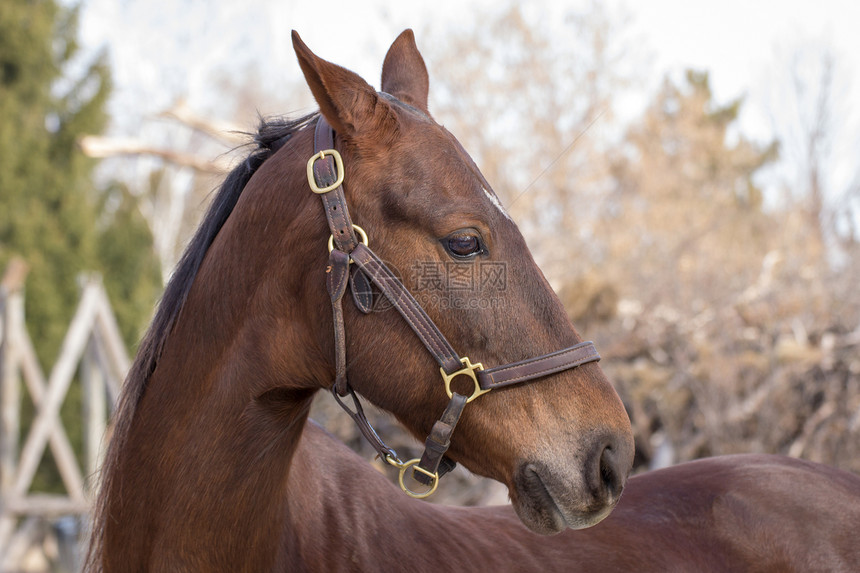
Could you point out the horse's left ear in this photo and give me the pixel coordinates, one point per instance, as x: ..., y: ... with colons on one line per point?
x: 404, y: 74
x: 348, y: 103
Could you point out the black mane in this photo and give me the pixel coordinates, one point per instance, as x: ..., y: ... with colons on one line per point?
x: 271, y: 135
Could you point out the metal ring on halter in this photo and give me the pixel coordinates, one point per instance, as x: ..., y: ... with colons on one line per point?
x: 362, y: 237
x: 403, y: 466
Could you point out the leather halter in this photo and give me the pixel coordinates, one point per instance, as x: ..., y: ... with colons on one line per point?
x: 325, y: 177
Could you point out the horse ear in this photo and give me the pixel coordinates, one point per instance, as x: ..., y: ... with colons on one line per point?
x: 404, y: 74
x: 348, y: 103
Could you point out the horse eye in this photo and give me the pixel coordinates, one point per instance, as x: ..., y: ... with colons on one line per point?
x: 463, y: 245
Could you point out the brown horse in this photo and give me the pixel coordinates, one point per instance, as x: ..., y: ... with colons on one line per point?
x: 214, y: 468
x: 198, y: 476
x: 743, y: 513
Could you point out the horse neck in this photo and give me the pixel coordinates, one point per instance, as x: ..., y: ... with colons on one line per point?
x: 213, y: 436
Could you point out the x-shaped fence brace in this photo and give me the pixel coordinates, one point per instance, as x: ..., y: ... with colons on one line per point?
x: 93, y: 342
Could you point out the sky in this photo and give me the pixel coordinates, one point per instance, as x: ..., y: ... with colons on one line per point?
x: 162, y: 50
x: 740, y: 42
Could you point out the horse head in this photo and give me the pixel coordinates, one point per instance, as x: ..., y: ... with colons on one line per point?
x: 562, y: 444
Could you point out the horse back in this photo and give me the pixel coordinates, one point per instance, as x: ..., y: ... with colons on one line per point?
x: 735, y: 513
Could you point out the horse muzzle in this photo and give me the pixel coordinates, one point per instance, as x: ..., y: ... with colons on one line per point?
x: 550, y: 496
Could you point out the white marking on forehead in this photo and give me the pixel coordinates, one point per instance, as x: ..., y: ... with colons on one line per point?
x: 495, y: 201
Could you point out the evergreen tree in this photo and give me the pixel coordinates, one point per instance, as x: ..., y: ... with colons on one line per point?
x: 50, y: 211
x: 47, y: 212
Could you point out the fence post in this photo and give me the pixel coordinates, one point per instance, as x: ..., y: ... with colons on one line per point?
x: 94, y: 392
x: 11, y: 325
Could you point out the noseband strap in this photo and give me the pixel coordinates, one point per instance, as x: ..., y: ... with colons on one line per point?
x: 348, y: 244
x: 532, y: 368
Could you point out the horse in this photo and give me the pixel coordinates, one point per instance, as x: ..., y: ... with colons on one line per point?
x: 744, y: 512
x: 199, y: 475
x: 214, y: 465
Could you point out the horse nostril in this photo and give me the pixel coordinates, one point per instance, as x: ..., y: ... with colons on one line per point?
x: 610, y: 472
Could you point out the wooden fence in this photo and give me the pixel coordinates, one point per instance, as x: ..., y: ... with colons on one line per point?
x: 93, y: 350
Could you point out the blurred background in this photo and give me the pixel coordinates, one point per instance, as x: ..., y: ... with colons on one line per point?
x: 686, y: 176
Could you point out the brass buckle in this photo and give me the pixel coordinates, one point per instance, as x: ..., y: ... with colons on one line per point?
x: 362, y: 238
x: 312, y: 181
x: 469, y: 371
x: 403, y: 466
